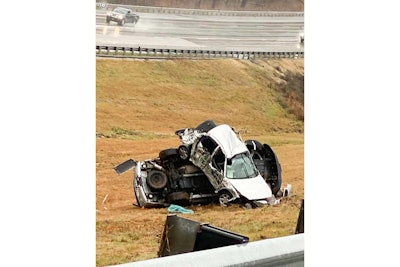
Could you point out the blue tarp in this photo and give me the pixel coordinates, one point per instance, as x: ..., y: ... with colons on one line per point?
x: 177, y: 208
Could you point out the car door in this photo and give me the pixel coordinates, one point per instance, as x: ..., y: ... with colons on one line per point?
x: 129, y: 16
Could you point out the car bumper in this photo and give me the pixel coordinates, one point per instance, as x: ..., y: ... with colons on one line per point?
x: 114, y: 19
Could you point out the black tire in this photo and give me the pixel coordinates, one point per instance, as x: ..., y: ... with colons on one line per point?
x: 107, y: 20
x: 206, y: 126
x: 122, y: 22
x: 184, y: 152
x: 256, y: 149
x: 168, y: 153
x: 179, y: 198
x: 224, y: 196
x: 276, y: 185
x: 157, y: 180
x: 274, y: 167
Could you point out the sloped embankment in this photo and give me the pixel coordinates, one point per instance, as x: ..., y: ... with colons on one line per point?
x: 145, y: 99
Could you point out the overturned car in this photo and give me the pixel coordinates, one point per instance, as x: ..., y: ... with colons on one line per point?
x: 211, y: 164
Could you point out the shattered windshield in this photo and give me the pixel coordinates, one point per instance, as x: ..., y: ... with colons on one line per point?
x: 241, y: 166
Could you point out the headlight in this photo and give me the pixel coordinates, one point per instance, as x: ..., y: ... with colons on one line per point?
x: 120, y: 16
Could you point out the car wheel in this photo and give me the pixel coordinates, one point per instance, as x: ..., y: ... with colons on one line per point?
x: 184, y: 152
x: 206, y: 126
x: 224, y: 197
x: 275, y: 185
x: 168, y: 153
x: 157, y: 179
x: 255, y: 148
x: 122, y: 22
x: 108, y: 21
x: 273, y: 167
x: 179, y: 198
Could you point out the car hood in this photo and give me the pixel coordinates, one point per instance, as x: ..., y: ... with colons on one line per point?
x: 114, y: 14
x: 252, y: 188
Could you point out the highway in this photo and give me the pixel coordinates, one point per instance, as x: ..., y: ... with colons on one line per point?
x: 243, y: 33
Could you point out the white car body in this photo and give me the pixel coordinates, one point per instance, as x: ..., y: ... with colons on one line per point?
x: 252, y: 188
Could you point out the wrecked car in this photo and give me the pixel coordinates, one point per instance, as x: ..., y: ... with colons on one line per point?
x: 211, y: 164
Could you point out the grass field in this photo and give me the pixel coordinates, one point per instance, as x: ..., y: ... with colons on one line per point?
x: 140, y: 104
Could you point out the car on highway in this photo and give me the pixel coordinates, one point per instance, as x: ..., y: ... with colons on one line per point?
x: 122, y: 15
x: 212, y: 164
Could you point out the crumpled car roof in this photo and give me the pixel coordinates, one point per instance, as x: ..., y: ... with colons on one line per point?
x: 227, y: 139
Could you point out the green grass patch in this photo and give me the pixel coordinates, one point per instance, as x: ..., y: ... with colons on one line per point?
x: 118, y: 132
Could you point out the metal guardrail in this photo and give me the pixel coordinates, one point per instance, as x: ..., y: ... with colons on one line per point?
x: 282, y: 251
x: 183, y: 11
x: 169, y: 53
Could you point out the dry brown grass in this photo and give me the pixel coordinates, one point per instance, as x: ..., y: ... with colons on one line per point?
x: 159, y: 97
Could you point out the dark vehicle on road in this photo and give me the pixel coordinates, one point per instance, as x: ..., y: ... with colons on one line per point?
x: 122, y: 15
x: 211, y: 164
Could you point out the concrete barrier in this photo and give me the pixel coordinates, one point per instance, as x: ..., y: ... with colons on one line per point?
x: 282, y: 251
